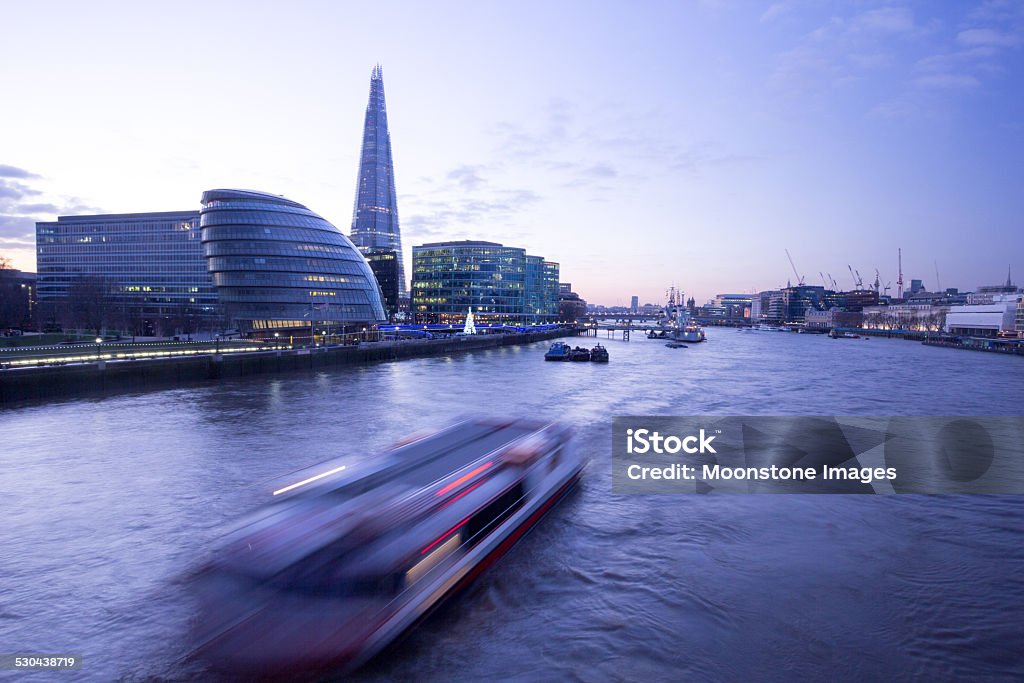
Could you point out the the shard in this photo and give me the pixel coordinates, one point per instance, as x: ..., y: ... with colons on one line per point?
x: 375, y: 216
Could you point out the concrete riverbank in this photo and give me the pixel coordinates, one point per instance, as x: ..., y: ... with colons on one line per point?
x: 34, y: 383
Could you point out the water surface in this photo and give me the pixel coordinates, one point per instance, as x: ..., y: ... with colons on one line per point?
x: 107, y: 502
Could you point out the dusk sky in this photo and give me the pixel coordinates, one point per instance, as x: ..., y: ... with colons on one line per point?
x: 639, y: 144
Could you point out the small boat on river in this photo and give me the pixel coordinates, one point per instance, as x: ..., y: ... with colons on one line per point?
x: 558, y: 351
x: 579, y: 354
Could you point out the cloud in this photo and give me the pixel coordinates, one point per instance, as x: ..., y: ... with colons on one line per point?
x: 38, y: 208
x: 18, y: 217
x: 467, y: 177
x: 987, y: 37
x: 698, y: 157
x: 18, y: 230
x: 13, y: 190
x: 776, y: 10
x: 15, y: 172
x: 948, y: 81
x: 449, y: 212
x: 600, y: 171
x: 886, y: 20
x: 846, y: 49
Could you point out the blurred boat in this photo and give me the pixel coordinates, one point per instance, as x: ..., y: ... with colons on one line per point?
x: 342, y: 563
x: 599, y: 354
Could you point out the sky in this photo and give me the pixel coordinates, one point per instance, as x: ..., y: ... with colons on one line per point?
x: 640, y: 144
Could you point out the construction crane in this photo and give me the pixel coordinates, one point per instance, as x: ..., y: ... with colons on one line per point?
x: 899, y: 280
x: 835, y: 285
x: 860, y: 280
x: 878, y: 283
x: 938, y: 285
x: 888, y: 286
x: 823, y: 280
x: 799, y: 277
x: 858, y: 283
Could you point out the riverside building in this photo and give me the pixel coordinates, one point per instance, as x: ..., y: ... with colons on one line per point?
x: 142, y: 273
x: 502, y: 284
x: 384, y: 263
x: 278, y: 266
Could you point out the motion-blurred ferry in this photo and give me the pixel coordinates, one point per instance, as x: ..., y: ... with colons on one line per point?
x: 341, y: 563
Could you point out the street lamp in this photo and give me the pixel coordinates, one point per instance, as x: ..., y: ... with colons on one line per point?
x: 99, y: 340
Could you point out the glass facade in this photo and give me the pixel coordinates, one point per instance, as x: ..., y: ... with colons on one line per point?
x: 384, y: 264
x: 375, y: 214
x: 551, y: 290
x: 147, y: 269
x: 502, y: 284
x: 277, y: 265
x: 796, y: 301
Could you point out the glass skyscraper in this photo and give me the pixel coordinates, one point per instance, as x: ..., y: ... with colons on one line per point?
x: 277, y: 265
x: 375, y: 215
x: 140, y: 272
x: 502, y: 284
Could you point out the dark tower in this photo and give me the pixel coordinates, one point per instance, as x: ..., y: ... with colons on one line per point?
x: 375, y: 215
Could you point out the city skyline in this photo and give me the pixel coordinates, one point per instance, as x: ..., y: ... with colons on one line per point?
x: 639, y: 147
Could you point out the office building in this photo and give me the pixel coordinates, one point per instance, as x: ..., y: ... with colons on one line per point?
x: 768, y: 307
x: 502, y: 284
x: 278, y: 266
x: 17, y: 300
x: 730, y: 307
x: 384, y: 264
x: 797, y: 299
x: 984, y: 320
x: 375, y: 214
x: 551, y: 277
x: 141, y: 273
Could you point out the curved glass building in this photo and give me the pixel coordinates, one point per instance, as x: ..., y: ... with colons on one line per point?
x: 277, y: 265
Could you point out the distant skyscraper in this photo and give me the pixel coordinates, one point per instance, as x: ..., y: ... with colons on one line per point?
x: 375, y: 216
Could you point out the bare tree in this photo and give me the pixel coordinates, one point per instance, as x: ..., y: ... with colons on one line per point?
x: 14, y: 298
x: 90, y: 303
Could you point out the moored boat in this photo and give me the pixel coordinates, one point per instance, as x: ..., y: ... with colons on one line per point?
x: 558, y: 351
x: 579, y: 354
x: 689, y: 332
x: 344, y: 562
x: 599, y: 354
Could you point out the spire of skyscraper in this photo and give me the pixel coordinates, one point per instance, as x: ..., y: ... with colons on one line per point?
x: 375, y: 215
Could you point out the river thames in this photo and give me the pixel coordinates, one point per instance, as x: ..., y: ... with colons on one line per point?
x: 108, y: 502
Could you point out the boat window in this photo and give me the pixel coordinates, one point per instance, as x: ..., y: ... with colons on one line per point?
x: 432, y: 559
x: 330, y: 579
x: 496, y: 512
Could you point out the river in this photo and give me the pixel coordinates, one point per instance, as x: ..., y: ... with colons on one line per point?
x: 108, y: 501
